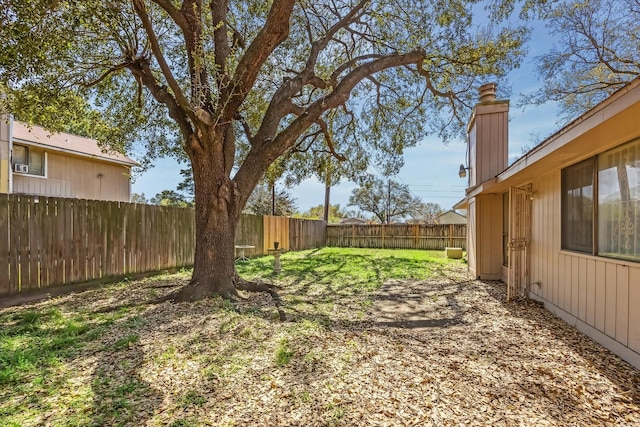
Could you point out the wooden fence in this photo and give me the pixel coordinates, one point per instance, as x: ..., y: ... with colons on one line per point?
x: 291, y: 233
x: 398, y: 236
x: 47, y: 242
x: 305, y: 234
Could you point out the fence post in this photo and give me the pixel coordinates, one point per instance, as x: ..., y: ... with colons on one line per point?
x: 353, y: 234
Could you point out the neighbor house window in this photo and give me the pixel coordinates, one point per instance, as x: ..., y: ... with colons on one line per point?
x: 577, y: 207
x: 601, y: 195
x: 32, y: 157
x: 619, y: 202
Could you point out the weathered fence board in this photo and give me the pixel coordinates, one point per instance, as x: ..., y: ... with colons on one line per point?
x: 397, y: 236
x: 47, y: 242
x: 250, y: 232
x: 5, y: 284
x: 305, y: 234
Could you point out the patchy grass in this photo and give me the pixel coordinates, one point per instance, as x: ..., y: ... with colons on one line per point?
x: 102, y: 357
x: 336, y: 285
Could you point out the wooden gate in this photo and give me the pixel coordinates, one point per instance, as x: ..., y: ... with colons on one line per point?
x: 519, y: 240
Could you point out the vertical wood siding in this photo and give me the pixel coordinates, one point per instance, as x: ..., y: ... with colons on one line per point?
x: 492, y: 154
x: 601, y: 292
x: 276, y: 229
x: 305, y: 234
x: 472, y: 240
x: 489, y: 235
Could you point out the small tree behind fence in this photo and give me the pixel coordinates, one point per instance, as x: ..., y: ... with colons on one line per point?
x: 47, y: 242
x: 398, y: 236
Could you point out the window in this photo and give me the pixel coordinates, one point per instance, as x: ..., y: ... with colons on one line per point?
x: 577, y: 207
x: 601, y: 202
x: 618, y: 202
x: 30, y: 156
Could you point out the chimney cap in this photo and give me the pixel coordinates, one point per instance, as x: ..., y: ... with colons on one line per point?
x: 487, y: 92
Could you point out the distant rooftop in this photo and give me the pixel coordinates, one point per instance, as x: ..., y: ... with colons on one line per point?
x: 67, y: 142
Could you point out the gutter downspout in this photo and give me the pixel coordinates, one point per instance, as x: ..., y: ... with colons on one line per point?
x: 10, y: 174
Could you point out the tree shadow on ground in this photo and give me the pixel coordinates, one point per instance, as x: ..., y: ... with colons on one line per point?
x: 449, y: 331
x: 121, y: 395
x: 417, y: 304
x: 334, y: 277
x: 64, y: 340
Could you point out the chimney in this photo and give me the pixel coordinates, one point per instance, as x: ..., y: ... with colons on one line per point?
x: 487, y: 92
x: 488, y: 136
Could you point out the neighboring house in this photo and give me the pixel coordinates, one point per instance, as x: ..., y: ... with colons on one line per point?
x: 36, y: 162
x: 353, y: 221
x: 562, y: 224
x: 450, y: 217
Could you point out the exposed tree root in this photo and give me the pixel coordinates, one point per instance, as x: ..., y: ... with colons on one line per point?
x: 196, y: 291
x: 270, y: 288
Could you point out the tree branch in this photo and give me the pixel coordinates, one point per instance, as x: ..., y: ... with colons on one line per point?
x: 221, y: 40
x: 247, y: 129
x: 106, y: 74
x: 141, y: 11
x: 174, y: 13
x: 329, y: 140
x: 142, y: 72
x: 197, y: 62
x: 292, y: 86
x: 274, y: 32
x: 260, y: 155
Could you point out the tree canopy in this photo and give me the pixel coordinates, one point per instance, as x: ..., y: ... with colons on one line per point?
x: 387, y: 200
x: 428, y: 211
x: 235, y: 86
x: 170, y: 198
x: 265, y: 200
x: 336, y: 213
x: 598, y: 53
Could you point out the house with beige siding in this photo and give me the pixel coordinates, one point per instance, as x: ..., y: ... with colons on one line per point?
x: 450, y: 217
x: 34, y: 161
x: 562, y: 223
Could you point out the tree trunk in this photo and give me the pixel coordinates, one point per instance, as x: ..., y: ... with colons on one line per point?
x: 214, y: 271
x: 217, y: 215
x: 327, y: 201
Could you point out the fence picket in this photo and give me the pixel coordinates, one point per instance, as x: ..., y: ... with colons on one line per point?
x: 47, y: 242
x: 397, y: 236
x: 5, y: 285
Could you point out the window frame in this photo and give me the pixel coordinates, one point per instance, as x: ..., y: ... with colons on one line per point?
x: 564, y: 244
x: 595, y: 226
x: 28, y: 153
x: 597, y: 247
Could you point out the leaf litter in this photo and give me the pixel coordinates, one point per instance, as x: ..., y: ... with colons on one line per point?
x: 446, y: 351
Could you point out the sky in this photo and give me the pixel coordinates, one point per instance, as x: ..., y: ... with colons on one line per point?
x: 431, y: 168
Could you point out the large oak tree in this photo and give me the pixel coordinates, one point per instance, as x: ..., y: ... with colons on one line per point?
x: 234, y: 85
